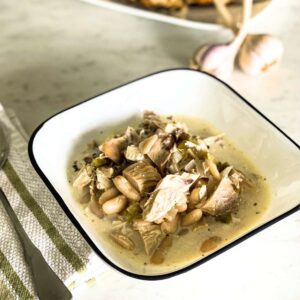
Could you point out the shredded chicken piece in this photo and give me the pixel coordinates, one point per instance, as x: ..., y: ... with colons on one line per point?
x: 133, y: 153
x: 113, y: 148
x: 175, y: 158
x: 159, y: 153
x: 181, y: 182
x: 237, y: 178
x: 177, y: 129
x: 81, y: 183
x: 146, y: 145
x: 131, y: 135
x: 143, y: 176
x: 225, y: 198
x: 151, y: 236
x: 169, y: 192
x: 153, y: 120
x: 161, y: 202
x: 103, y: 179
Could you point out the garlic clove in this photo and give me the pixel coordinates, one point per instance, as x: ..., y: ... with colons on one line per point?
x: 217, y: 60
x: 260, y: 53
x: 197, y: 58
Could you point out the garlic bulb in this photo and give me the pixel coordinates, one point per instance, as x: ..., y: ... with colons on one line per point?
x: 259, y: 53
x: 217, y: 60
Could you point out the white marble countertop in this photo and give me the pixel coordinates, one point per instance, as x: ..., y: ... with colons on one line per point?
x: 56, y: 53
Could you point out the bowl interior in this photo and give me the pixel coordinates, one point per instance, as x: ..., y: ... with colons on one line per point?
x: 170, y: 92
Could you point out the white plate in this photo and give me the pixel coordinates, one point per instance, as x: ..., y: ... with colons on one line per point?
x: 180, y: 91
x: 198, y: 17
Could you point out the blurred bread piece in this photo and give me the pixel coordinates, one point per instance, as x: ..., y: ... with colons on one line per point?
x: 163, y: 3
x: 176, y: 3
x: 205, y: 2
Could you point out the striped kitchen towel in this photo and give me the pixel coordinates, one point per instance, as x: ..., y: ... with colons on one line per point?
x: 44, y: 221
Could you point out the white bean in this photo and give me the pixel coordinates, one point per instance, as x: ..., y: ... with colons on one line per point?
x: 170, y: 227
x: 115, y: 205
x: 192, y: 217
x: 181, y: 207
x: 107, y: 195
x: 194, y: 196
x: 123, y: 185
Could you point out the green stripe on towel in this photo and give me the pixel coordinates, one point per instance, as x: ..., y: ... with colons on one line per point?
x: 5, y: 292
x: 13, y: 279
x: 43, y: 219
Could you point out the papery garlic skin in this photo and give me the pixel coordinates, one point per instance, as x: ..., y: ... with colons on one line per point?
x: 259, y: 54
x: 217, y: 60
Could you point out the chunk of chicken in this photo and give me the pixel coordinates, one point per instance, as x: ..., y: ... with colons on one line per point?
x: 151, y: 236
x: 178, y: 129
x: 175, y: 158
x: 131, y: 135
x: 150, y: 118
x: 181, y: 182
x: 122, y: 240
x: 113, y: 148
x: 81, y: 183
x: 108, y: 172
x: 161, y: 202
x: 169, y: 192
x: 225, y: 198
x: 160, y: 151
x: 133, y: 153
x: 142, y: 176
x: 160, y: 253
x: 237, y: 178
x: 146, y: 145
x: 103, y: 178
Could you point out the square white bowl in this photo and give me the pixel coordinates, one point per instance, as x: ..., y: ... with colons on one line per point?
x: 177, y: 91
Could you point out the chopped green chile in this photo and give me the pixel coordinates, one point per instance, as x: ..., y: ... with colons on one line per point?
x: 133, y: 209
x: 182, y: 147
x: 98, y: 162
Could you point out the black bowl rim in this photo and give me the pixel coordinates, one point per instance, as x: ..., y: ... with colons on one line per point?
x: 88, y: 239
